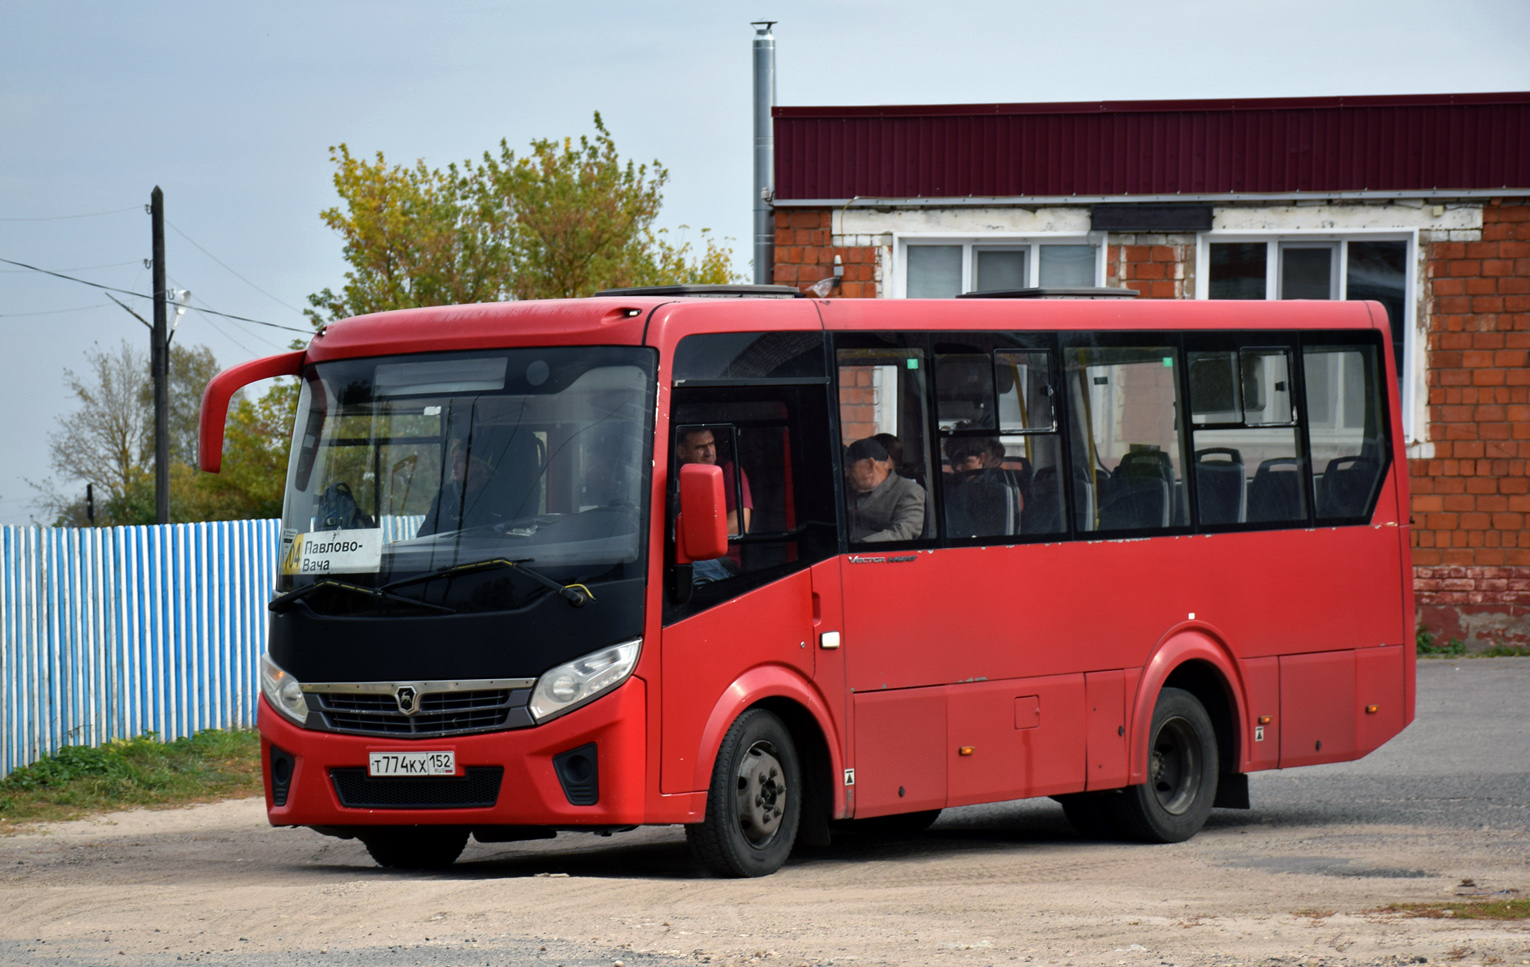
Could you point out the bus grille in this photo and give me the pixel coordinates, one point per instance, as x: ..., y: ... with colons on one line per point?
x: 440, y: 713
x: 479, y: 788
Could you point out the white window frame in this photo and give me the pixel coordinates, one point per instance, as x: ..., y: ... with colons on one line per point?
x: 898, y: 289
x: 1415, y: 392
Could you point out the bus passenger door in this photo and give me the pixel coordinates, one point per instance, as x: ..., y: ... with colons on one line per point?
x: 827, y: 654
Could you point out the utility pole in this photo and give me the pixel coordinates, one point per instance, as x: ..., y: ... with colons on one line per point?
x: 159, y: 361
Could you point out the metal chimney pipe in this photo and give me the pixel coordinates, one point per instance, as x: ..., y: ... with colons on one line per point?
x: 764, y: 151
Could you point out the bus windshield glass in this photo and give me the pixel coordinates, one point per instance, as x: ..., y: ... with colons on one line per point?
x: 430, y: 472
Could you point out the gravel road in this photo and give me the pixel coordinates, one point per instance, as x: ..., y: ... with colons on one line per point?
x: 1441, y: 812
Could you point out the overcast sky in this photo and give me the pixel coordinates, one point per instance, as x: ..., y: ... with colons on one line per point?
x: 231, y: 109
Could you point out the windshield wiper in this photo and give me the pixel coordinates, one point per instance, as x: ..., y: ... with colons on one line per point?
x: 575, y: 594
x: 280, y: 603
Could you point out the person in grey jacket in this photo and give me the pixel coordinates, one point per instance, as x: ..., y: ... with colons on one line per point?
x: 882, y: 506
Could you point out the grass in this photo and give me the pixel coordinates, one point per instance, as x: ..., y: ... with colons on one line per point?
x: 1455, y: 648
x: 1424, y: 639
x: 79, y: 780
x: 1501, y: 650
x: 1512, y: 909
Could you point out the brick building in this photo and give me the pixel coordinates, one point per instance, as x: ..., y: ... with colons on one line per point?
x: 1421, y: 203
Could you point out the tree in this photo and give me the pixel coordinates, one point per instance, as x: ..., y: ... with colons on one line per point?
x: 564, y: 221
x: 109, y: 443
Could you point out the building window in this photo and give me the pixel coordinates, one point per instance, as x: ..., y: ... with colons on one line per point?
x: 941, y: 269
x: 1293, y: 267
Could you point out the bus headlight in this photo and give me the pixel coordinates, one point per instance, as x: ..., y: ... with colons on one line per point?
x: 284, y: 692
x: 571, y: 685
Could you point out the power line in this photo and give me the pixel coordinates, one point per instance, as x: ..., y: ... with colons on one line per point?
x: 230, y: 268
x: 87, y: 268
x: 52, y: 312
x: 140, y: 295
x: 59, y: 218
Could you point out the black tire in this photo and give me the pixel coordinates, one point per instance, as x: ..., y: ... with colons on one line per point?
x: 415, y: 847
x: 1173, y: 804
x: 902, y: 824
x: 754, y: 802
x: 1092, y: 814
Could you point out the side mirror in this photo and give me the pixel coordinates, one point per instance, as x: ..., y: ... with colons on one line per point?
x: 222, y: 387
x: 701, y: 531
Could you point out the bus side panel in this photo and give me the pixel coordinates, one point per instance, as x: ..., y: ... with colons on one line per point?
x: 1105, y: 698
x: 1261, y: 684
x: 1027, y: 737
x: 706, y: 653
x: 1317, y: 708
x: 900, y: 751
x: 1379, y: 677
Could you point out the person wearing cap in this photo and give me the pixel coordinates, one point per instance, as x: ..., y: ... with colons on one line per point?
x: 882, y: 506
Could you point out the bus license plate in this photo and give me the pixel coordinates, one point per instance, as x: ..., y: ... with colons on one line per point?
x: 412, y: 764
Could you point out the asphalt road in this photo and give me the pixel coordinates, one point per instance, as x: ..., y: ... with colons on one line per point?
x: 1439, y: 813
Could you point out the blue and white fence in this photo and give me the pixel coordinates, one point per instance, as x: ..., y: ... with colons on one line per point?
x: 112, y: 632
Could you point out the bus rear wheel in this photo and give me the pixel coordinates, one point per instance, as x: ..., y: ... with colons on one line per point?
x: 415, y: 847
x: 754, y: 802
x: 1181, y: 785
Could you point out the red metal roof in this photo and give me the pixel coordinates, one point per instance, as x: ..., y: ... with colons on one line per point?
x: 1271, y: 145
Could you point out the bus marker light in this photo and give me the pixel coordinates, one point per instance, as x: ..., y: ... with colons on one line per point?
x: 966, y: 750
x: 1372, y: 709
x: 1265, y: 719
x: 829, y: 640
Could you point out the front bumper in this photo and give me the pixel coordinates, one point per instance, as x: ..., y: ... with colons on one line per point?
x: 530, y: 793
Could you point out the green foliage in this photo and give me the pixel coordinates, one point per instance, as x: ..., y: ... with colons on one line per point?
x: 1501, y: 650
x: 1424, y: 641
x: 212, y: 764
x: 564, y: 221
x: 1506, y: 909
x: 109, y: 442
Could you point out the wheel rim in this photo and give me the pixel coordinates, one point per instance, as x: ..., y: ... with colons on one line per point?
x: 760, y: 792
x: 1174, y: 770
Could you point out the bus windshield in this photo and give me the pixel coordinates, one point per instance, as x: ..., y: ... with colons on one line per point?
x: 458, y: 464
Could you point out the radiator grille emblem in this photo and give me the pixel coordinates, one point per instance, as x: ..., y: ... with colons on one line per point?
x: 408, y: 701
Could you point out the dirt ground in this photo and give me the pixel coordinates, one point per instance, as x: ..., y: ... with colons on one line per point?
x: 1439, y: 814
x: 990, y: 885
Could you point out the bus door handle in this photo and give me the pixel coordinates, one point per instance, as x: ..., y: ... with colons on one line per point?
x: 828, y: 640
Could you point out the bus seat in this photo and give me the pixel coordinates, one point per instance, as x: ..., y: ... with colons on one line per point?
x: 983, y: 506
x: 1221, y: 486
x: 1146, y: 463
x: 1043, y: 511
x: 1345, y: 488
x: 1275, y: 493
x: 1136, y: 504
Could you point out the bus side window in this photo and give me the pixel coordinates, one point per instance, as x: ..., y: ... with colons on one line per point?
x: 768, y: 442
x: 1001, y: 451
x: 884, y: 446
x: 1346, y: 428
x: 1248, y: 463
x: 1128, y: 465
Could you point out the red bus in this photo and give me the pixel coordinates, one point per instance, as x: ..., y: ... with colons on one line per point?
x: 767, y: 565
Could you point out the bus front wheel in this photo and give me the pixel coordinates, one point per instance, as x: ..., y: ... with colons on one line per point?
x: 754, y: 802
x: 1181, y: 785
x: 415, y: 847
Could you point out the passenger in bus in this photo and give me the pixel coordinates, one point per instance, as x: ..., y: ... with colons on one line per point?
x: 699, y: 445
x: 894, y: 448
x: 983, y: 499
x: 882, y: 505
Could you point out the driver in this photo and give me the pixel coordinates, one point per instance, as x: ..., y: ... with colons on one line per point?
x: 467, y: 477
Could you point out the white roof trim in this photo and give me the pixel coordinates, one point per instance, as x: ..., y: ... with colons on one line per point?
x: 1031, y: 201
